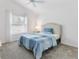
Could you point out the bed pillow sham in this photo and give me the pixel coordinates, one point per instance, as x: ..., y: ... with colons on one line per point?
x: 50, y: 30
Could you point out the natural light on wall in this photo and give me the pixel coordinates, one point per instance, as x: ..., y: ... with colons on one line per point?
x: 38, y: 25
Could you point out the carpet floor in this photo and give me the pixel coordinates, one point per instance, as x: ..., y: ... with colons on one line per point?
x: 13, y: 51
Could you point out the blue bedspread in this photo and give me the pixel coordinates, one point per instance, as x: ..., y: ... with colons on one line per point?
x: 38, y: 42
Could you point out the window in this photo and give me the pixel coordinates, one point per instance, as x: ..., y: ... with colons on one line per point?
x: 18, y: 24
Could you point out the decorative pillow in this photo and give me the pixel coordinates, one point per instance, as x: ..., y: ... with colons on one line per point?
x: 48, y: 30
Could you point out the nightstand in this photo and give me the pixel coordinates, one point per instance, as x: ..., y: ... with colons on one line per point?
x: 36, y: 31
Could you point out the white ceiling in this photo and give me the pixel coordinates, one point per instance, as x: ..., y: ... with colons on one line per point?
x: 29, y: 5
x: 47, y: 5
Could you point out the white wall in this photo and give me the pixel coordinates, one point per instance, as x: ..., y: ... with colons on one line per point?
x: 7, y: 6
x: 63, y: 12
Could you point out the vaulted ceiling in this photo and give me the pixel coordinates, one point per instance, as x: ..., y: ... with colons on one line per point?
x: 47, y: 5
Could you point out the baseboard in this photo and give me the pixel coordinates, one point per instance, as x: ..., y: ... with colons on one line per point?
x: 8, y: 42
x: 69, y: 45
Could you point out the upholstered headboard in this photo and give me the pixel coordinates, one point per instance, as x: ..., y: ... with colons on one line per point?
x: 56, y: 27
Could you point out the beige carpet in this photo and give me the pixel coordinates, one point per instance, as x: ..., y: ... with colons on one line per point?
x: 13, y: 51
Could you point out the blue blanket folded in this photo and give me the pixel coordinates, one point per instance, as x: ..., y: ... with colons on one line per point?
x: 38, y: 42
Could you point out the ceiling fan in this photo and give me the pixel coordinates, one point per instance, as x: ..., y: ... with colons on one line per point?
x: 34, y: 2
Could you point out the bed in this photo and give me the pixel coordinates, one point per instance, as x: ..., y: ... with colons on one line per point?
x: 50, y: 36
